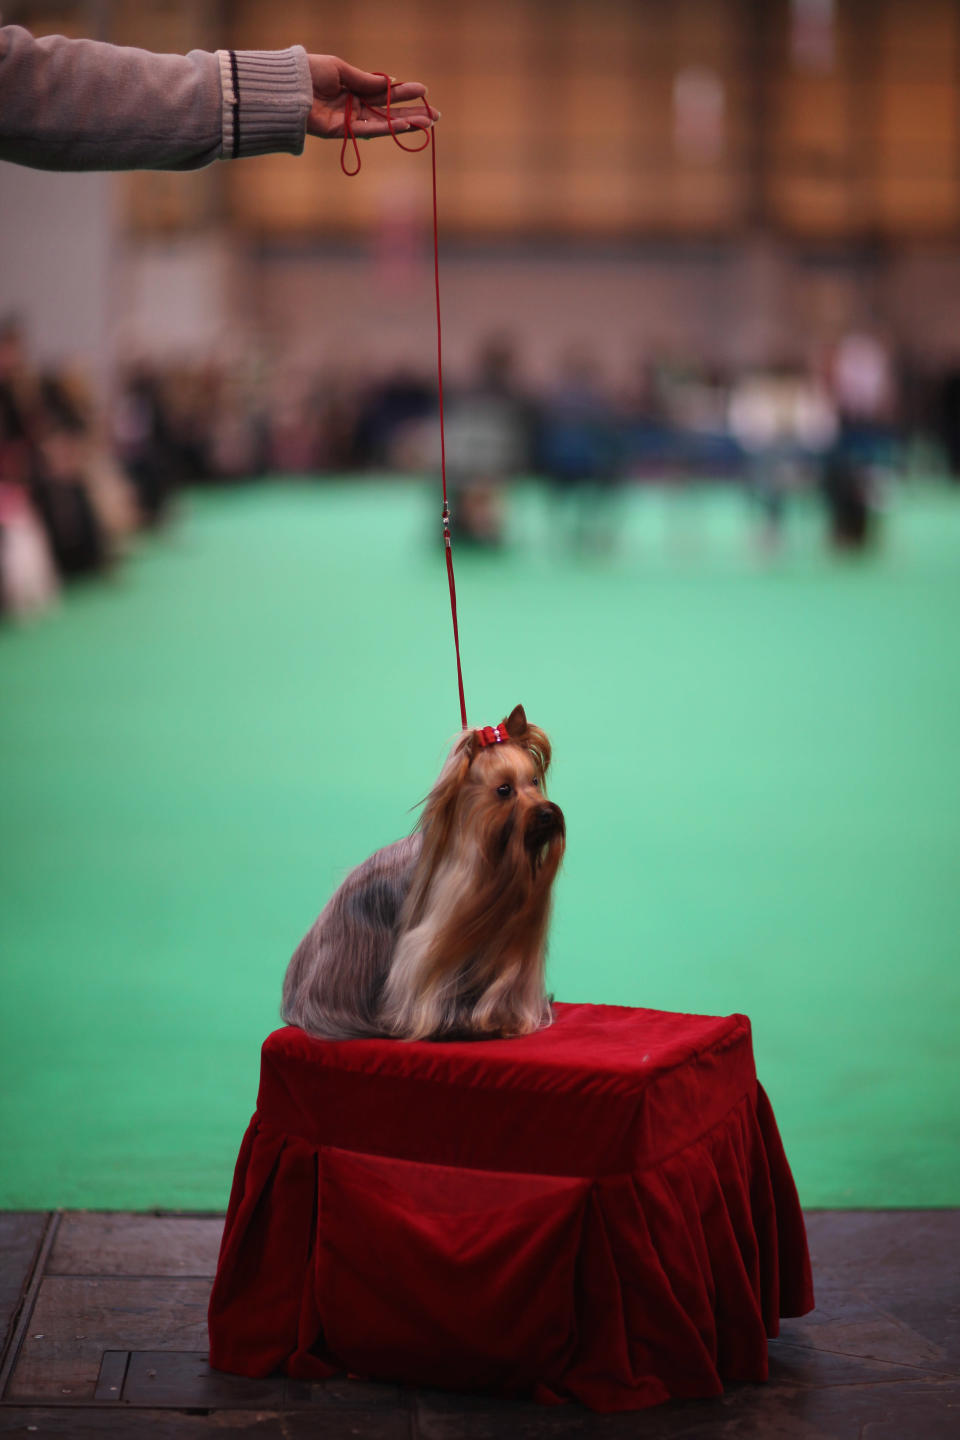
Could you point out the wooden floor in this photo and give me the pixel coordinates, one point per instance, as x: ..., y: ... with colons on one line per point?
x: 104, y: 1325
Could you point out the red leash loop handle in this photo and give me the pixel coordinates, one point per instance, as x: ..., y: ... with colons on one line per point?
x: 349, y: 138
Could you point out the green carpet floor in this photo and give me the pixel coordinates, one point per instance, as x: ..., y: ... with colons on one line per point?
x: 757, y: 760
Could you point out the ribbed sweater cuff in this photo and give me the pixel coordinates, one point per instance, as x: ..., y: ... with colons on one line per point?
x: 267, y: 96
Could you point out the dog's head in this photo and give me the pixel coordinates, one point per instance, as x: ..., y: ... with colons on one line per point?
x: 491, y: 794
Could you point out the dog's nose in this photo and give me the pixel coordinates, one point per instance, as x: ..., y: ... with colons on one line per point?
x: 544, y: 824
x: 549, y: 817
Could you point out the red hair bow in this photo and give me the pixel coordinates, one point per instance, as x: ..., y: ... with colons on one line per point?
x: 492, y: 735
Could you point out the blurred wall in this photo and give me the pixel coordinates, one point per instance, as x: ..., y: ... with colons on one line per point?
x: 739, y: 179
x: 59, y: 265
x: 728, y: 305
x: 181, y: 296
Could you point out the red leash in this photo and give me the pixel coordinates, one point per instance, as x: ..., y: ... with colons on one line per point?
x: 349, y: 138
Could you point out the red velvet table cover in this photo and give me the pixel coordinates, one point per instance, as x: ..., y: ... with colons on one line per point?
x: 602, y: 1210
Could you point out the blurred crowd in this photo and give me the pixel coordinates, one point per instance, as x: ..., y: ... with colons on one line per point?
x: 78, y: 480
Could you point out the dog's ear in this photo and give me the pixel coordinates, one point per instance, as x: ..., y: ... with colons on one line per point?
x: 516, y: 723
x: 539, y: 746
x: 533, y: 739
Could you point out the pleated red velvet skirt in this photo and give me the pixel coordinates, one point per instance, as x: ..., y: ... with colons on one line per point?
x: 601, y: 1211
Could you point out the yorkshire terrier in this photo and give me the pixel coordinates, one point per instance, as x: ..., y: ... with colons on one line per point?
x: 443, y: 935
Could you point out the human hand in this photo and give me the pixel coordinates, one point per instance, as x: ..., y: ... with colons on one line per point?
x: 333, y: 80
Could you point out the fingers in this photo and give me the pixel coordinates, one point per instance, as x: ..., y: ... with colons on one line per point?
x: 366, y: 126
x: 425, y: 120
x: 370, y: 129
x: 405, y: 90
x: 408, y: 118
x: 365, y: 83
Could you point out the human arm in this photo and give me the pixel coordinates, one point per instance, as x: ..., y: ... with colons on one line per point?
x: 86, y: 105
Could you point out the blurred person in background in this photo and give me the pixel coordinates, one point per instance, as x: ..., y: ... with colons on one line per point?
x: 70, y: 407
x: 691, y: 401
x: 700, y: 411
x: 862, y: 380
x: 295, y: 425
x: 337, y: 395
x: 786, y: 424
x: 61, y: 488
x: 28, y: 577
x: 87, y: 105
x: 861, y: 376
x: 949, y: 417
x: 15, y: 390
x: 237, y: 440
x: 390, y: 408
x: 489, y: 435
x: 649, y: 441
x: 143, y: 440
x: 189, y: 395
x: 579, y: 451
x: 49, y: 464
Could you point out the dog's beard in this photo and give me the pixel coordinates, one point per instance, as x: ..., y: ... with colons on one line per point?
x: 471, y: 943
x: 544, y: 835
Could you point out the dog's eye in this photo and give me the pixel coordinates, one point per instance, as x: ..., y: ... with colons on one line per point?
x: 536, y: 781
x: 504, y: 790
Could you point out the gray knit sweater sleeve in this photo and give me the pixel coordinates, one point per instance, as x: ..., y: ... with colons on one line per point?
x: 85, y: 105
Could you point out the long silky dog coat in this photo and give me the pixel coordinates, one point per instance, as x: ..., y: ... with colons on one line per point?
x: 444, y: 933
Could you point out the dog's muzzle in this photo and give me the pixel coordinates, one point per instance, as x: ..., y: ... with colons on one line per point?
x: 544, y: 824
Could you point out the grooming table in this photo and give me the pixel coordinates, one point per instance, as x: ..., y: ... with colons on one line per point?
x: 601, y: 1211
